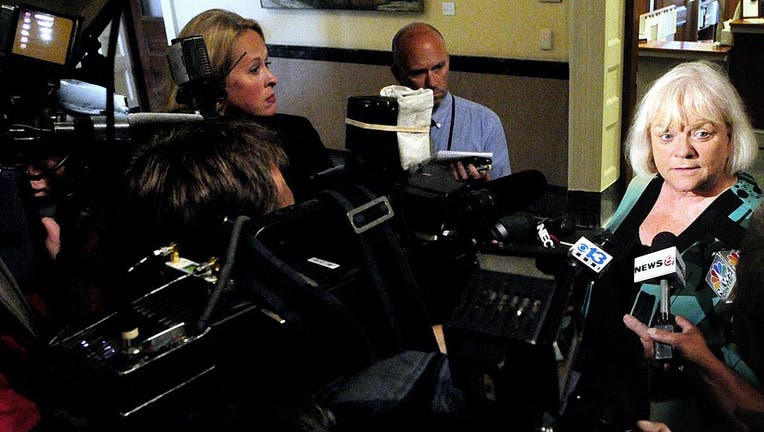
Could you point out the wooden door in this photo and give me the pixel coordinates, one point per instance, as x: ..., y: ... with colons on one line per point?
x: 148, y: 48
x: 596, y: 77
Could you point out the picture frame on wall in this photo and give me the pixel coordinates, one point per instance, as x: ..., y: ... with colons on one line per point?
x: 369, y: 5
x: 752, y: 8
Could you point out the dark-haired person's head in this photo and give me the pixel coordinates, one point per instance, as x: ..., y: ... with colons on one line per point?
x: 184, y: 183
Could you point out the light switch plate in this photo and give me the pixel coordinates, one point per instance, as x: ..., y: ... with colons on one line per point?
x: 545, y: 39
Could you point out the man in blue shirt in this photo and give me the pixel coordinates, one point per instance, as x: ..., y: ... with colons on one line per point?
x: 420, y: 60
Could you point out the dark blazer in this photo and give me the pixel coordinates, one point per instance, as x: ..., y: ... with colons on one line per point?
x: 303, y: 147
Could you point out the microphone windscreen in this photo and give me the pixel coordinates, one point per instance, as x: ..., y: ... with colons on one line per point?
x: 514, y: 228
x: 712, y: 248
x: 517, y: 191
x: 663, y: 240
x: 562, y: 226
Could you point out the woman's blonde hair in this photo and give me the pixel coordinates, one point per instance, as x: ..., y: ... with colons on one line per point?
x: 220, y: 29
x: 698, y: 90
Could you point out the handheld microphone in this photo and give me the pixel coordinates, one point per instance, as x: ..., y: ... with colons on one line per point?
x: 665, y: 265
x: 722, y: 274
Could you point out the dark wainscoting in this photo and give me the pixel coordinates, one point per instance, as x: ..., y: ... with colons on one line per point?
x: 492, y: 65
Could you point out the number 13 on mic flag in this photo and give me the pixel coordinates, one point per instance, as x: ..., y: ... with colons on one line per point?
x: 590, y: 254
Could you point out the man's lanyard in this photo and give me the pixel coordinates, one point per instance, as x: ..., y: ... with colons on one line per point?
x: 453, y: 118
x: 451, y: 127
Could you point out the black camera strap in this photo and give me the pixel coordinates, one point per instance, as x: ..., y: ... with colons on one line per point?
x: 370, y: 263
x: 392, y: 278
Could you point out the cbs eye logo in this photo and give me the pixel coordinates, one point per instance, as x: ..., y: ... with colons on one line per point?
x: 592, y: 253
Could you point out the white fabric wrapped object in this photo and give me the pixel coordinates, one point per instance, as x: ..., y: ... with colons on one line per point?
x: 414, y: 114
x: 86, y: 98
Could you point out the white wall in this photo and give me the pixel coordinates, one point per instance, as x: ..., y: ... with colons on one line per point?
x: 534, y: 111
x: 491, y: 28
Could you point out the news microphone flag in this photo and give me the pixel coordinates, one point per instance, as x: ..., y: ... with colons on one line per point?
x: 590, y: 254
x: 722, y: 275
x: 665, y: 263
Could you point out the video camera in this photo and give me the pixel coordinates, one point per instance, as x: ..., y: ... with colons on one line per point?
x: 38, y: 47
x: 69, y: 137
x: 432, y: 206
x: 515, y: 322
x: 57, y: 94
x: 515, y: 334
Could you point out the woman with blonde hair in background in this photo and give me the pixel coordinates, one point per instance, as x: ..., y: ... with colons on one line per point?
x: 237, y: 51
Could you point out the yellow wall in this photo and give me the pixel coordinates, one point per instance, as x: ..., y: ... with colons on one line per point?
x: 491, y: 28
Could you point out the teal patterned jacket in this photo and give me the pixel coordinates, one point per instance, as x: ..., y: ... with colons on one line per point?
x: 726, y: 220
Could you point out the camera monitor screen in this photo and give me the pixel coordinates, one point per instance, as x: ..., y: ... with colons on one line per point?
x: 43, y: 36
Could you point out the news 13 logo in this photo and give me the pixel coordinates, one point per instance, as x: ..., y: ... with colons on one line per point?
x: 590, y: 254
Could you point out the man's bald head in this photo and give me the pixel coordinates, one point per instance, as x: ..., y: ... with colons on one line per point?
x: 420, y: 59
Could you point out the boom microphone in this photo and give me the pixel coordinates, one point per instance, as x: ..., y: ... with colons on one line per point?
x: 515, y: 191
x: 189, y: 60
x: 525, y: 228
x: 126, y: 126
x: 515, y: 228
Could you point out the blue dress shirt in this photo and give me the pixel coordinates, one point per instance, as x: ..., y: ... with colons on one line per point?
x: 477, y: 129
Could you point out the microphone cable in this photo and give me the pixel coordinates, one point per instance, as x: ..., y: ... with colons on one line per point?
x: 225, y: 273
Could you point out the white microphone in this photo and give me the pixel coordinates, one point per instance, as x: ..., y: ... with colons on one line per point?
x: 667, y: 266
x: 665, y: 263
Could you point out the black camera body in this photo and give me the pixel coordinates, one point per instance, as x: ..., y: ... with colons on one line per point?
x: 514, y: 336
